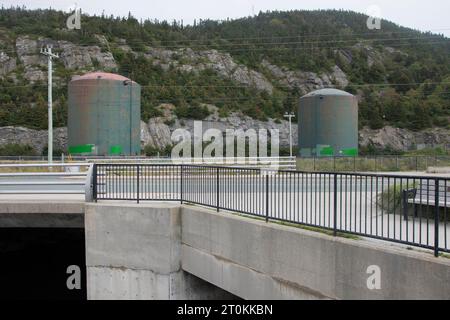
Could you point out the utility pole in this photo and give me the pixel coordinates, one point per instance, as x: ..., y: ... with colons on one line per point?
x: 290, y: 116
x: 48, y: 52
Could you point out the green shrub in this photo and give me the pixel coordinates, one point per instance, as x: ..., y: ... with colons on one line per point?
x: 390, y: 199
x: 151, y: 151
x: 15, y: 149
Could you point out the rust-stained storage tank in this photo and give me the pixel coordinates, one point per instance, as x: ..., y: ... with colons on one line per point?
x: 328, y: 124
x: 104, y: 115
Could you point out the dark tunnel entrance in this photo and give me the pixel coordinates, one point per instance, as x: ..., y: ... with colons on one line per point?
x: 34, y: 263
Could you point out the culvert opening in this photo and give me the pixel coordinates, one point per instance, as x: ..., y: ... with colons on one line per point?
x: 42, y: 264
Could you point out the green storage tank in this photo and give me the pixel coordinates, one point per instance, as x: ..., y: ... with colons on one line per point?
x: 328, y: 124
x: 104, y: 115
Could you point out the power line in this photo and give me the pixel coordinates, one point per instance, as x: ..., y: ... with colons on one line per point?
x: 423, y: 37
x: 237, y: 86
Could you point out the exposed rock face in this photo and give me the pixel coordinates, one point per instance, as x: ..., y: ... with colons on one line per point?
x: 403, y: 139
x: 34, y: 74
x: 72, y: 56
x: 306, y: 81
x: 188, y: 60
x: 75, y: 57
x: 7, y: 64
x: 28, y: 51
x: 158, y: 133
x: 34, y: 138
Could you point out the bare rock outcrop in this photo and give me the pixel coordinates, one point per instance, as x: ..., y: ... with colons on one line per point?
x: 76, y: 57
x: 403, y: 139
x: 187, y: 60
x: 307, y: 81
x: 7, y: 64
x: 34, y: 138
x: 157, y: 132
x: 72, y: 56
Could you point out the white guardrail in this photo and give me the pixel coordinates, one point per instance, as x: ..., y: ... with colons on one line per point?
x: 40, y: 179
x: 280, y: 162
x: 77, y: 178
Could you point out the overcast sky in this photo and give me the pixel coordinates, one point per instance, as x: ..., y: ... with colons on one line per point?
x: 419, y: 14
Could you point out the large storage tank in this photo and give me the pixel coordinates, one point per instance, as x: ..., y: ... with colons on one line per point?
x: 104, y: 115
x: 328, y: 124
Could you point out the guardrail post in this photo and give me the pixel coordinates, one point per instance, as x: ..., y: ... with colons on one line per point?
x: 436, y: 218
x: 94, y: 182
x: 181, y: 183
x: 217, y: 189
x: 335, y: 206
x: 137, y: 182
x: 267, y: 197
x: 405, y: 194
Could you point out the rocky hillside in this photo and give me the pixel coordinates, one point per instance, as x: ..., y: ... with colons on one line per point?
x: 240, y: 73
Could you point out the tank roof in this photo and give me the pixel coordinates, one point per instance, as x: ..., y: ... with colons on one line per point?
x: 328, y: 92
x: 100, y: 75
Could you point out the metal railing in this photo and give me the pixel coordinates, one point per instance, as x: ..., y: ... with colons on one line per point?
x: 278, y: 162
x: 383, y: 163
x: 368, y: 205
x: 45, y: 179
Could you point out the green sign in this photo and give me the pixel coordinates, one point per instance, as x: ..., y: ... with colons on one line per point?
x: 82, y: 149
x: 115, y: 150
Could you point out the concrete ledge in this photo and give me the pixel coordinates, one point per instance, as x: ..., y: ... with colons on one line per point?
x: 40, y: 214
x: 228, y: 250
x: 241, y: 281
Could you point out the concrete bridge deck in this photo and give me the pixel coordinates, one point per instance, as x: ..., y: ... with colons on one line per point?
x: 173, y: 251
x: 33, y: 212
x: 150, y: 251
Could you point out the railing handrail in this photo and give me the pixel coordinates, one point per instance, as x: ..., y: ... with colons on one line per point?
x: 43, y: 165
x: 86, y: 178
x: 269, y: 169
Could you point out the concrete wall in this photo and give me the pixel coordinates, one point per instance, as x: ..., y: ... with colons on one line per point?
x: 255, y: 260
x: 133, y: 252
x: 163, y: 251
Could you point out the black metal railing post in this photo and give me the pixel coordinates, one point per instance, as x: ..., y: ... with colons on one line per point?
x: 217, y: 189
x: 405, y: 196
x: 94, y: 182
x: 137, y: 183
x: 436, y: 218
x: 267, y: 197
x: 335, y: 206
x: 181, y: 183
